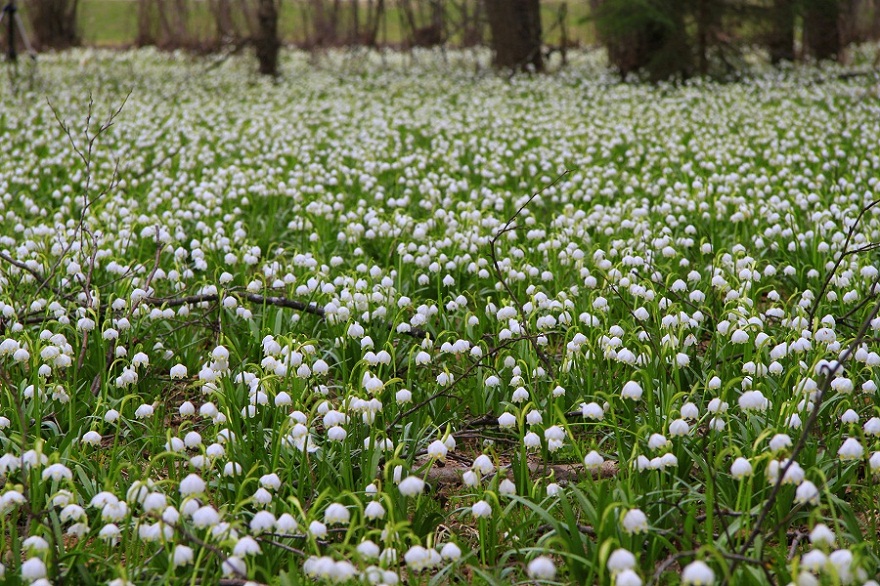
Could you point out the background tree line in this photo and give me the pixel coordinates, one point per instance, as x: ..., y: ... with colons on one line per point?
x: 661, y: 38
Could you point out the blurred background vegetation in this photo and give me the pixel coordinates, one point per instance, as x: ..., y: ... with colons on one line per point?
x: 658, y: 39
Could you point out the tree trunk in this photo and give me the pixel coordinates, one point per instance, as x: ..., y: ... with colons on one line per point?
x: 516, y: 33
x: 821, y: 29
x: 781, y: 41
x: 266, y: 40
x: 53, y: 23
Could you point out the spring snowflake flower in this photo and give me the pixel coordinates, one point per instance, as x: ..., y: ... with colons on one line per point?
x: 374, y: 510
x: 437, y: 450
x: 822, y: 535
x: 336, y: 514
x: 481, y: 509
x: 741, y: 468
x: 593, y: 460
x: 178, y: 371
x: 635, y: 521
x: 632, y: 390
x: 411, y: 486
x: 779, y: 442
x: 555, y: 437
x: 507, y: 487
x: 851, y: 450
x: 182, y: 555
x: 450, y: 552
x: 592, y: 411
x: 697, y: 574
x: 246, y: 546
x: 679, y: 428
x: 33, y: 569
x: 627, y: 578
x: 807, y: 493
x: 318, y: 529
x: 57, y: 472
x: 874, y: 462
x: 144, y: 411
x: 483, y: 464
x: 620, y: 560
x: 192, y: 485
x: 507, y: 421
x: 541, y: 568
x: 532, y: 440
x: 814, y: 560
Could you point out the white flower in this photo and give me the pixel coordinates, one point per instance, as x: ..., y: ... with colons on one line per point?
x: 541, y: 568
x: 740, y: 468
x: 33, y: 569
x: 872, y: 426
x: 483, y: 464
x: 205, y: 516
x: 246, y: 546
x: 506, y: 421
x: 697, y: 574
x: 632, y: 390
x: 822, y: 535
x: 450, y: 552
x: 368, y: 549
x: 679, y: 428
x: 627, y: 578
x: 481, y: 509
x: 851, y: 449
x: 657, y: 442
x: 780, y: 441
x: 532, y: 440
x: 874, y: 462
x: 336, y: 514
x: 192, y: 485
x: 437, y: 450
x: 411, y: 486
x: 57, y: 472
x: 318, y: 529
x: 635, y: 521
x: 178, y: 371
x: 182, y: 555
x: 144, y: 411
x: 234, y: 566
x: 592, y: 411
x: 807, y: 493
x: 593, y: 460
x: 621, y: 559
x: 814, y: 560
x: 374, y: 510
x: 91, y: 438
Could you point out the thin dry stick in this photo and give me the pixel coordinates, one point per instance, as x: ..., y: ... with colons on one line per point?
x: 312, y: 308
x: 509, y: 226
x: 843, y: 254
x: 821, y: 392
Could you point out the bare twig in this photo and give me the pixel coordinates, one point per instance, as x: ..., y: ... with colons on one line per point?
x: 509, y: 226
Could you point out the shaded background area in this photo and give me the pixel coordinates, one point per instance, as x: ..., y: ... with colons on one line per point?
x: 658, y: 39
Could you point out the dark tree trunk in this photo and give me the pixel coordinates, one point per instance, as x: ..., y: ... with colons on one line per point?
x: 54, y: 23
x: 703, y: 20
x: 781, y: 41
x: 875, y: 21
x: 266, y: 41
x: 516, y: 33
x: 821, y: 29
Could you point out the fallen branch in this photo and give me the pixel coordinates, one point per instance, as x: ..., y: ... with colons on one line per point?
x: 561, y: 472
x: 285, y: 302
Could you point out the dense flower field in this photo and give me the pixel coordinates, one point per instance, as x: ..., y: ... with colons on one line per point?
x: 407, y: 322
